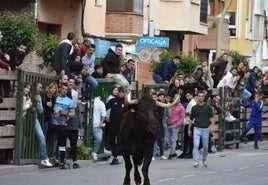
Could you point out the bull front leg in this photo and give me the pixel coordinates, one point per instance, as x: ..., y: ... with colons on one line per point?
x: 145, y: 167
x: 137, y: 176
x: 128, y: 167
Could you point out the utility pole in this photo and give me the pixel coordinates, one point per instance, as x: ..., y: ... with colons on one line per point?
x: 219, y: 27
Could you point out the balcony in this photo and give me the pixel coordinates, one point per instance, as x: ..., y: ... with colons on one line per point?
x: 183, y: 16
x: 123, y: 25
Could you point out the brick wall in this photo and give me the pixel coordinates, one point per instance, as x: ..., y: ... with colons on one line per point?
x: 124, y: 23
x: 65, y: 13
x: 144, y: 75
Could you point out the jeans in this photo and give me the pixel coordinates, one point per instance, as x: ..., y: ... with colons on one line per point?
x: 91, y: 84
x: 245, y: 94
x: 172, y: 133
x: 159, y: 142
x: 158, y: 79
x: 97, y: 134
x: 204, y: 134
x: 41, y: 138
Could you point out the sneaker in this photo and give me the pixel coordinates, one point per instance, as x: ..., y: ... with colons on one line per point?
x: 64, y: 166
x: 75, y: 166
x: 205, y: 163
x: 114, y: 162
x: 153, y: 159
x: 46, y: 163
x: 230, y: 118
x: 172, y: 155
x: 196, y: 164
x: 94, y: 156
x: 244, y: 140
x: 164, y: 157
x: 107, y: 152
x: 256, y: 147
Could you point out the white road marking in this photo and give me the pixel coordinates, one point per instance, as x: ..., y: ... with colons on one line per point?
x: 260, y: 165
x: 168, y: 179
x: 186, y: 176
x: 227, y: 170
x: 206, y: 173
x: 244, y: 168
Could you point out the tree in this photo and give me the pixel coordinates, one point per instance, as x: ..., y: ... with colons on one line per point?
x: 18, y: 27
x: 47, y: 48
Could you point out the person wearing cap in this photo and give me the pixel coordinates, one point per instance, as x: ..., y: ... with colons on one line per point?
x: 89, y: 62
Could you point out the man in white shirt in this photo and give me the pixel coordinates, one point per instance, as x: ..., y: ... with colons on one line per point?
x: 229, y: 80
x: 99, y: 114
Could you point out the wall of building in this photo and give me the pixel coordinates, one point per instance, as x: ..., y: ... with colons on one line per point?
x: 94, y: 18
x: 68, y: 18
x: 121, y: 22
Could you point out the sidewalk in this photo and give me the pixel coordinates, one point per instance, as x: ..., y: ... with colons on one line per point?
x: 21, y: 169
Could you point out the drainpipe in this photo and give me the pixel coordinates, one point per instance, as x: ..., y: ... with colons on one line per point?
x: 82, y: 18
x: 219, y: 28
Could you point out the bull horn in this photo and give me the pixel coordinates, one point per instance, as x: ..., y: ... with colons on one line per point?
x: 128, y: 100
x: 167, y: 105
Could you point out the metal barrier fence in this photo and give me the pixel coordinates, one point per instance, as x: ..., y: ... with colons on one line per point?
x: 26, y: 146
x: 102, y: 90
x: 229, y: 131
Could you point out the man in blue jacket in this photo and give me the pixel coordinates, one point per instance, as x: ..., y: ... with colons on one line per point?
x: 166, y: 71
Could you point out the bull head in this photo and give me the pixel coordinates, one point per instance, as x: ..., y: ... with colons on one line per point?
x: 128, y: 101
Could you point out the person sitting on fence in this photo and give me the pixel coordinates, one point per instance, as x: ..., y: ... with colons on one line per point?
x: 206, y: 74
x: 253, y: 78
x: 62, y: 55
x: 129, y: 72
x: 111, y: 65
x: 255, y: 118
x: 63, y: 110
x: 98, y: 71
x: 89, y: 62
x: 242, y: 91
x: 166, y: 70
x: 229, y: 80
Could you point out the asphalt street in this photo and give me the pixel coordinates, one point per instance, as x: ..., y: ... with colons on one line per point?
x: 245, y: 166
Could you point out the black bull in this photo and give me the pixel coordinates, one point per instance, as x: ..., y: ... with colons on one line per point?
x: 138, y: 133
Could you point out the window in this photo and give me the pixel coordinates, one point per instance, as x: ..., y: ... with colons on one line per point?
x: 98, y: 2
x: 232, y: 24
x: 203, y: 11
x: 125, y: 6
